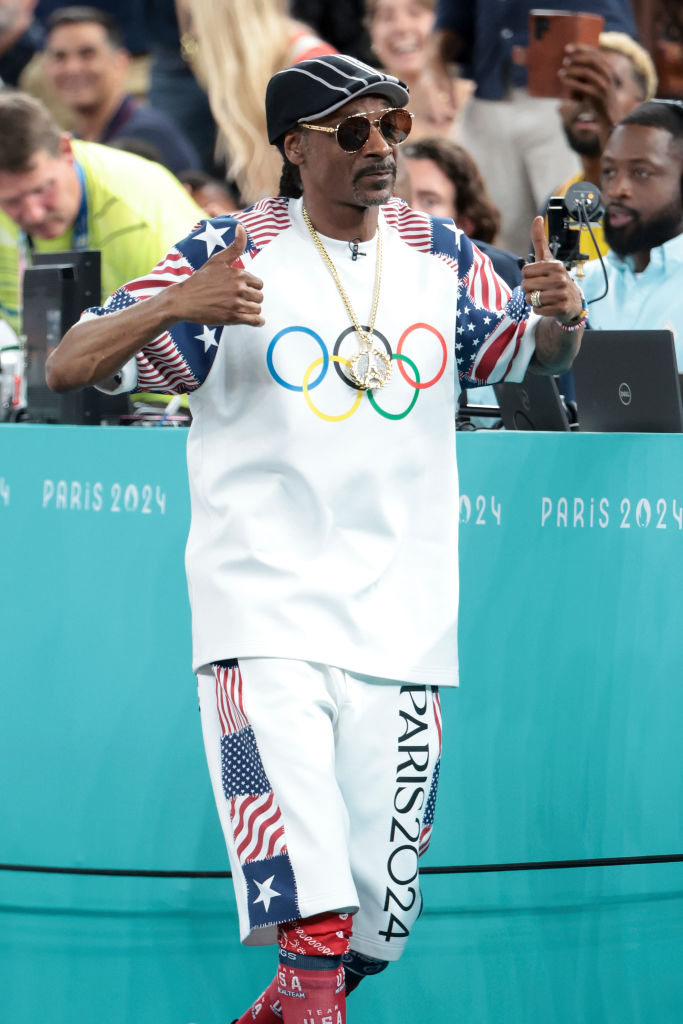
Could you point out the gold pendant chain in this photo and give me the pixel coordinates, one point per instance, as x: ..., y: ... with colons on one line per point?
x: 370, y: 367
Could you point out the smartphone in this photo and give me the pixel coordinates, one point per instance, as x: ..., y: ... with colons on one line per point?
x: 549, y: 33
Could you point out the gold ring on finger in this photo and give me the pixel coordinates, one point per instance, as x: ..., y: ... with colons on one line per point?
x: 535, y: 298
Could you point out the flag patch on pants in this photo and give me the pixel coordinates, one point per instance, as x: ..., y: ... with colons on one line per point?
x: 257, y: 828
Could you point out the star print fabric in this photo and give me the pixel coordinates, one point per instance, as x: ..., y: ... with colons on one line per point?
x: 255, y: 817
x: 490, y: 322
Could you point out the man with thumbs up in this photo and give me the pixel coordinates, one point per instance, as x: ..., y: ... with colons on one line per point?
x: 322, y: 338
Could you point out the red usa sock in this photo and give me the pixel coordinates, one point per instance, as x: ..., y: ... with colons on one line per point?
x: 267, y: 1008
x: 311, y: 989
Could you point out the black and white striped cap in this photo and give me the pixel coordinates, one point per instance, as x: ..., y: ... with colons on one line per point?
x: 314, y: 88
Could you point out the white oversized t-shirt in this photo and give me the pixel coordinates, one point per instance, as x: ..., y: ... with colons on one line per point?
x: 325, y: 518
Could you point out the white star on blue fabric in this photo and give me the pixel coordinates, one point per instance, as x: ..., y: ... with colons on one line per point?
x: 208, y: 336
x: 212, y: 239
x: 266, y: 892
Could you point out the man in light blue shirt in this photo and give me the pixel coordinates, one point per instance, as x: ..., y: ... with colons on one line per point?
x: 642, y: 185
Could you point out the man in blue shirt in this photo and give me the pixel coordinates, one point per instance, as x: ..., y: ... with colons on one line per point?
x: 87, y: 65
x: 642, y: 169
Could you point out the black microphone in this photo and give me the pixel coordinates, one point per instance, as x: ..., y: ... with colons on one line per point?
x: 353, y: 246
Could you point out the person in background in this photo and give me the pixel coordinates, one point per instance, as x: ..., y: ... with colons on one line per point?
x: 446, y: 182
x: 238, y: 47
x: 86, y: 65
x: 173, y: 86
x: 215, y: 197
x: 399, y: 33
x: 604, y: 85
x: 641, y: 183
x: 516, y: 139
x: 324, y: 497
x: 58, y: 193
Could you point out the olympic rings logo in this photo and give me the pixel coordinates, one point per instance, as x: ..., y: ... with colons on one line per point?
x: 316, y: 371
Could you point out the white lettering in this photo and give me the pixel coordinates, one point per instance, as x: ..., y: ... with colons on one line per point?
x: 465, y: 509
x: 603, y: 521
x: 562, y: 511
x: 578, y: 512
x: 661, y: 509
x: 546, y: 509
x: 131, y: 498
x: 643, y: 513
x: 625, y: 511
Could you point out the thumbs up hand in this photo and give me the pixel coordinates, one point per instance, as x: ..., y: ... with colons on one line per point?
x: 548, y: 287
x: 221, y: 291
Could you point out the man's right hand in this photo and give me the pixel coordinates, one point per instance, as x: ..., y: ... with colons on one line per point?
x: 586, y: 73
x: 221, y: 291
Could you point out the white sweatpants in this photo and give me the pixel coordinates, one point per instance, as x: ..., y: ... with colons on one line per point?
x: 325, y: 783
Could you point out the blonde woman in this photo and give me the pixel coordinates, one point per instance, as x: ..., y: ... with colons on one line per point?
x: 239, y: 46
x: 399, y: 33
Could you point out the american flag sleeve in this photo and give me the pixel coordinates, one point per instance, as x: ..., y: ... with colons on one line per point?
x: 494, y: 327
x: 178, y: 360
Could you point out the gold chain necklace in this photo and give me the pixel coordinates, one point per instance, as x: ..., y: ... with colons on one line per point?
x: 371, y: 366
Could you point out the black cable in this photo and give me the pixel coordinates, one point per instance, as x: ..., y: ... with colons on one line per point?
x: 587, y: 224
x: 451, y: 869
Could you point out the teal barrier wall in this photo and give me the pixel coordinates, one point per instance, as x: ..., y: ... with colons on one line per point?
x: 564, y: 741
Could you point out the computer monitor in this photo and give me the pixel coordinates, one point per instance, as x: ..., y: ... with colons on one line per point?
x: 57, y: 288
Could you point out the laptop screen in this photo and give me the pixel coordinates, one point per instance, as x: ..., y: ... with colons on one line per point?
x: 628, y: 381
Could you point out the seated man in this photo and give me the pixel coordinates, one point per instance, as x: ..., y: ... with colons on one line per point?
x: 604, y: 84
x: 641, y: 187
x: 58, y: 194
x: 86, y: 64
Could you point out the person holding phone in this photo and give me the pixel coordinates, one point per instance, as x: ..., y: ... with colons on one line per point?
x: 516, y: 139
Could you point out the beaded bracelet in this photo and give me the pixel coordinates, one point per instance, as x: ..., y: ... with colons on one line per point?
x: 574, y: 325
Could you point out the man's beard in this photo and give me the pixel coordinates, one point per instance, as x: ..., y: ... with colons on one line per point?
x: 374, y: 192
x: 640, y: 235
x: 584, y: 145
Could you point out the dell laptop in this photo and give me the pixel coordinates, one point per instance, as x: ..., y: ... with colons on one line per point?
x: 628, y: 381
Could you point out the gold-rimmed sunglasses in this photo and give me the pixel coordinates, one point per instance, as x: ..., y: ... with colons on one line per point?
x: 353, y: 132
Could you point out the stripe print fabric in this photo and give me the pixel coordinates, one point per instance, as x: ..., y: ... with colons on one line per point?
x: 256, y: 822
x: 428, y: 817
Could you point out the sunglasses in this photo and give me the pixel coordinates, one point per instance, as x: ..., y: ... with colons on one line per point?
x: 353, y: 132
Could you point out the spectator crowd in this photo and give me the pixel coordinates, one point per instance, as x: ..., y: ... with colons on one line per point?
x: 179, y: 88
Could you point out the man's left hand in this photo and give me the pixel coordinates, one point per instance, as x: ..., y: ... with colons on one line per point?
x: 548, y: 287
